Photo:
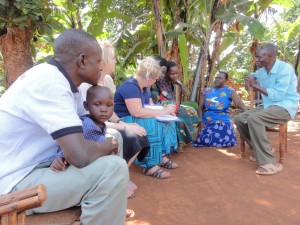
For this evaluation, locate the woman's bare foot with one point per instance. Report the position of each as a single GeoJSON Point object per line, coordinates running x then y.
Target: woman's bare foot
{"type": "Point", "coordinates": [132, 187]}
{"type": "Point", "coordinates": [130, 194]}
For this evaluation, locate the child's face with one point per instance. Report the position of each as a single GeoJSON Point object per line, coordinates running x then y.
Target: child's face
{"type": "Point", "coordinates": [100, 106]}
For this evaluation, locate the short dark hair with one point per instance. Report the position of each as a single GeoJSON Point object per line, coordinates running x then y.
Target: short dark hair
{"type": "Point", "coordinates": [270, 48]}
{"type": "Point", "coordinates": [162, 61]}
{"type": "Point", "coordinates": [170, 64]}
{"type": "Point", "coordinates": [225, 73]}
{"type": "Point", "coordinates": [92, 89]}
{"type": "Point", "coordinates": [71, 42]}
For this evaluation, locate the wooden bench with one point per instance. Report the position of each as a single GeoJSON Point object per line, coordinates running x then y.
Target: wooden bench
{"type": "Point", "coordinates": [14, 205]}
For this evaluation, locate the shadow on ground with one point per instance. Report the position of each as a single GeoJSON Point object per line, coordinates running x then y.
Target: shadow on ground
{"type": "Point", "coordinates": [217, 186]}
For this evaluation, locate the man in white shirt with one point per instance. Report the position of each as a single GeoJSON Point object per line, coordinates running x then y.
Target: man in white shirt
{"type": "Point", "coordinates": [41, 111]}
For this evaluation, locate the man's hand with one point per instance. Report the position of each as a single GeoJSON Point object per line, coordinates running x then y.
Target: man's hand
{"type": "Point", "coordinates": [59, 164]}
{"type": "Point", "coordinates": [251, 80]}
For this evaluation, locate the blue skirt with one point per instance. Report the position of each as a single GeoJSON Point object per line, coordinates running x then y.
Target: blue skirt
{"type": "Point", "coordinates": [162, 138]}
{"type": "Point", "coordinates": [216, 135]}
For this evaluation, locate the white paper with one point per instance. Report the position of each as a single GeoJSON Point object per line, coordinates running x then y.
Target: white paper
{"type": "Point", "coordinates": [153, 106]}
{"type": "Point", "coordinates": [167, 118]}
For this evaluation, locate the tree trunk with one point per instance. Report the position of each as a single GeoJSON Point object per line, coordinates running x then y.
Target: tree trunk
{"type": "Point", "coordinates": [15, 49]}
{"type": "Point", "coordinates": [159, 28]}
{"type": "Point", "coordinates": [175, 52]}
{"type": "Point", "coordinates": [297, 57]}
{"type": "Point", "coordinates": [204, 55]}
{"type": "Point", "coordinates": [218, 29]}
{"type": "Point", "coordinates": [197, 76]}
{"type": "Point", "coordinates": [297, 64]}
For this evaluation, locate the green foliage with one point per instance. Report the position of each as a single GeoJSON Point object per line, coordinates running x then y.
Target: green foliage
{"type": "Point", "coordinates": [130, 26]}
{"type": "Point", "coordinates": [98, 15]}
{"type": "Point", "coordinates": [183, 52]}
{"type": "Point", "coordinates": [137, 48]}
{"type": "Point", "coordinates": [33, 14]}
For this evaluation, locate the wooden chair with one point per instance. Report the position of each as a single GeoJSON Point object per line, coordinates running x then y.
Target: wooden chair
{"type": "Point", "coordinates": [282, 130]}
{"type": "Point", "coordinates": [14, 205]}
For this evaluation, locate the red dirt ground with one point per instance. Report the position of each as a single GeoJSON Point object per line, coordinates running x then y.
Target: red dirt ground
{"type": "Point", "coordinates": [217, 186]}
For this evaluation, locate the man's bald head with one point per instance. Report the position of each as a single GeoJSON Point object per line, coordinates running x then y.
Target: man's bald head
{"type": "Point", "coordinates": [72, 42]}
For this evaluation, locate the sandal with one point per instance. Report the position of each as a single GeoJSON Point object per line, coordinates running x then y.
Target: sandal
{"type": "Point", "coordinates": [158, 173]}
{"type": "Point", "coordinates": [180, 149]}
{"type": "Point", "coordinates": [269, 169]}
{"type": "Point", "coordinates": [170, 164]}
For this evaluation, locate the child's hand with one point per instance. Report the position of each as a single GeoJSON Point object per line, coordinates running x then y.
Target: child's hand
{"type": "Point", "coordinates": [114, 144]}
{"type": "Point", "coordinates": [59, 164]}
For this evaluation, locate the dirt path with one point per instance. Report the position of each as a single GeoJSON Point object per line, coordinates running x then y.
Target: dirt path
{"type": "Point", "coordinates": [218, 187]}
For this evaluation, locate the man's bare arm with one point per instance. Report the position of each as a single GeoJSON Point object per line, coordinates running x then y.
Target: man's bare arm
{"type": "Point", "coordinates": [80, 152]}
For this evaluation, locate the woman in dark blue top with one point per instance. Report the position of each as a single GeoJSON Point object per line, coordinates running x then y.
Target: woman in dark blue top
{"type": "Point", "coordinates": [130, 99]}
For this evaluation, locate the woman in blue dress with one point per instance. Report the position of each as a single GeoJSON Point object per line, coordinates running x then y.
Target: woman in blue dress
{"type": "Point", "coordinates": [216, 123]}
{"type": "Point", "coordinates": [130, 100]}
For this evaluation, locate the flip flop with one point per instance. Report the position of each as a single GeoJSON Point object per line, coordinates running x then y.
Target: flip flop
{"type": "Point", "coordinates": [269, 169]}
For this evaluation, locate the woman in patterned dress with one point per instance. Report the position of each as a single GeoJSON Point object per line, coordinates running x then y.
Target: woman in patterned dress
{"type": "Point", "coordinates": [163, 92]}
{"type": "Point", "coordinates": [216, 124]}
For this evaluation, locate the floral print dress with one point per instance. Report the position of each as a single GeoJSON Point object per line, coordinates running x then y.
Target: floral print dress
{"type": "Point", "coordinates": [219, 130]}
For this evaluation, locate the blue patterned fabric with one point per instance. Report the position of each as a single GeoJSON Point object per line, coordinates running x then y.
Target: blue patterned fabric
{"type": "Point", "coordinates": [162, 138]}
{"type": "Point", "coordinates": [219, 130]}
{"type": "Point", "coordinates": [90, 132]}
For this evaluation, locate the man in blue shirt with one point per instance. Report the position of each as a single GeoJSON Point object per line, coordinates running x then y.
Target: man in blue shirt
{"type": "Point", "coordinates": [277, 83]}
